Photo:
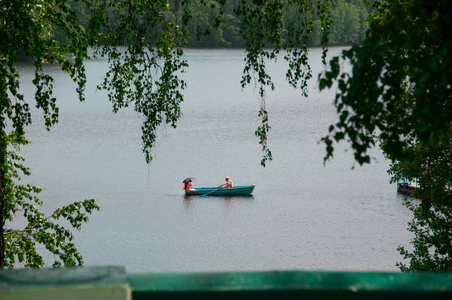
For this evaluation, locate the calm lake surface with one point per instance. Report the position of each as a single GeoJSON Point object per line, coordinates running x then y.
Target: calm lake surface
{"type": "Point", "coordinates": [303, 215]}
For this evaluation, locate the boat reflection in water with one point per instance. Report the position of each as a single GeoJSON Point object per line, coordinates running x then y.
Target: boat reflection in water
{"type": "Point", "coordinates": [188, 198]}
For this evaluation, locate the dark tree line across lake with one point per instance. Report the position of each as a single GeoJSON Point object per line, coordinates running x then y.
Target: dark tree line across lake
{"type": "Point", "coordinates": [348, 22]}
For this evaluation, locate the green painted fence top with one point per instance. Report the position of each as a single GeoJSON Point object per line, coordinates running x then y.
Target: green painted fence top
{"type": "Point", "coordinates": [293, 280]}
{"type": "Point", "coordinates": [291, 285]}
{"type": "Point", "coordinates": [113, 283]}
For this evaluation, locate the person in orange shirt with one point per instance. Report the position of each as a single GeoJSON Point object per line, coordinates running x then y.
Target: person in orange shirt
{"type": "Point", "coordinates": [187, 186]}
{"type": "Point", "coordinates": [187, 183]}
{"type": "Point", "coordinates": [229, 184]}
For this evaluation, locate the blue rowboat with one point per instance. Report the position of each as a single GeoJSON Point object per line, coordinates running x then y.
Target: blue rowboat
{"type": "Point", "coordinates": [214, 191]}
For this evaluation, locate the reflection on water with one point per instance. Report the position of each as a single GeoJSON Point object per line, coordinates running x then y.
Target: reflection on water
{"type": "Point", "coordinates": [188, 199]}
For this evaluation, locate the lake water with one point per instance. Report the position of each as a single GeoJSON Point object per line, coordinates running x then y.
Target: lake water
{"type": "Point", "coordinates": [303, 215]}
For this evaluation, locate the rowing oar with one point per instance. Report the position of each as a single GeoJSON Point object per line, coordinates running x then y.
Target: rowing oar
{"type": "Point", "coordinates": [222, 187]}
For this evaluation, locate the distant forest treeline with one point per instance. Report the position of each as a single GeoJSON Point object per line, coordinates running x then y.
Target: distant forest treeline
{"type": "Point", "coordinates": [348, 22]}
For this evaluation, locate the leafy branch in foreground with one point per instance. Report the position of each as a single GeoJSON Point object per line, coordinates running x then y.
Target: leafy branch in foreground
{"type": "Point", "coordinates": [266, 32]}
{"type": "Point", "coordinates": [430, 166]}
{"type": "Point", "coordinates": [144, 73]}
{"type": "Point", "coordinates": [21, 245]}
{"type": "Point", "coordinates": [27, 29]}
{"type": "Point", "coordinates": [399, 96]}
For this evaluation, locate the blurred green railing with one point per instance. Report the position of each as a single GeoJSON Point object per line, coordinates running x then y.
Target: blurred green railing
{"type": "Point", "coordinates": [113, 283]}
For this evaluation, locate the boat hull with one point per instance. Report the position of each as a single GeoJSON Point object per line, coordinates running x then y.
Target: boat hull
{"type": "Point", "coordinates": [235, 191]}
